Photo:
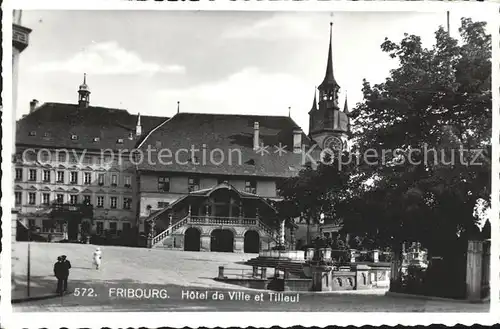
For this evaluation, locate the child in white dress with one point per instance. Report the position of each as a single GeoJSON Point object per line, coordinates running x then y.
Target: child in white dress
{"type": "Point", "coordinates": [97, 258]}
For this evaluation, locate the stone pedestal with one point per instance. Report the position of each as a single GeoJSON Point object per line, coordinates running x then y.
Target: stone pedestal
{"type": "Point", "coordinates": [293, 241]}
{"type": "Point", "coordinates": [239, 243]}
{"type": "Point", "coordinates": [362, 277]}
{"type": "Point", "coordinates": [282, 233]}
{"type": "Point", "coordinates": [205, 243]}
{"type": "Point", "coordinates": [375, 254]}
{"type": "Point", "coordinates": [321, 278]}
{"type": "Point", "coordinates": [327, 254]}
{"type": "Point", "coordinates": [474, 268]}
{"type": "Point", "coordinates": [309, 253]}
{"type": "Point", "coordinates": [352, 255]}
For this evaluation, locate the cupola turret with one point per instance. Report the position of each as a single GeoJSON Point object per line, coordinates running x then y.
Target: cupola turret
{"type": "Point", "coordinates": [84, 93]}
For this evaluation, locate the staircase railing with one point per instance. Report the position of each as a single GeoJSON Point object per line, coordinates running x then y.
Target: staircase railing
{"type": "Point", "coordinates": [194, 219]}
{"type": "Point", "coordinates": [165, 233]}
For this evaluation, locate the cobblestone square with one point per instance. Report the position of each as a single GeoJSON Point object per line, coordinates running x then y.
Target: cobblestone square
{"type": "Point", "coordinates": [178, 272]}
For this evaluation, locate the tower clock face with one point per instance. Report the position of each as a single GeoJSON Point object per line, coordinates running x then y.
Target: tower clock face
{"type": "Point", "coordinates": [333, 143]}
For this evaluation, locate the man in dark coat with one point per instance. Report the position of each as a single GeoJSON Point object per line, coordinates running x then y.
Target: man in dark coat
{"type": "Point", "coordinates": [67, 266]}
{"type": "Point", "coordinates": [59, 271]}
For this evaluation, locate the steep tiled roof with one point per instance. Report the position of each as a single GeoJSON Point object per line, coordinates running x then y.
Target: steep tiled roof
{"type": "Point", "coordinates": [225, 132]}
{"type": "Point", "coordinates": [54, 123]}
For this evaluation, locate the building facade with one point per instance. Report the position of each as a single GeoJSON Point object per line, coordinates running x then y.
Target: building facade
{"type": "Point", "coordinates": [195, 181]}
{"type": "Point", "coordinates": [205, 197]}
{"type": "Point", "coordinates": [20, 41]}
{"type": "Point", "coordinates": [72, 154]}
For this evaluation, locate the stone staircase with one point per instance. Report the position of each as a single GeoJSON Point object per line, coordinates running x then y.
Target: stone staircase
{"type": "Point", "coordinates": [270, 236]}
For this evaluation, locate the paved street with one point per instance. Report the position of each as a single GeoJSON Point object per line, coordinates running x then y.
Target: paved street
{"type": "Point", "coordinates": [180, 281]}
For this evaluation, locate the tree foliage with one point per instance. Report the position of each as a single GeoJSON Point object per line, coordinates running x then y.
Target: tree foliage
{"type": "Point", "coordinates": [427, 129]}
{"type": "Point", "coordinates": [430, 125]}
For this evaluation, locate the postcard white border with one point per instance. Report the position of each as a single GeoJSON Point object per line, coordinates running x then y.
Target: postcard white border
{"type": "Point", "coordinates": [243, 319]}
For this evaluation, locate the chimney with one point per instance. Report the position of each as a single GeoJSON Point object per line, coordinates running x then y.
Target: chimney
{"type": "Point", "coordinates": [138, 127]}
{"type": "Point", "coordinates": [256, 139]}
{"type": "Point", "coordinates": [33, 105]}
{"type": "Point", "coordinates": [297, 140]}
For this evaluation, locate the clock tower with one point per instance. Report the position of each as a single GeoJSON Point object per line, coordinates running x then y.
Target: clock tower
{"type": "Point", "coordinates": [329, 126]}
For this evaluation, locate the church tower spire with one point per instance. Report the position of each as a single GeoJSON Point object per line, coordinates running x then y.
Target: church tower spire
{"type": "Point", "coordinates": [84, 93]}
{"type": "Point", "coordinates": [329, 88]}
{"type": "Point", "coordinates": [314, 109]}
{"type": "Point", "coordinates": [329, 125]}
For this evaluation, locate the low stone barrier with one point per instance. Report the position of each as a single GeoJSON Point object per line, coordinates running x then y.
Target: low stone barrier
{"type": "Point", "coordinates": [289, 254]}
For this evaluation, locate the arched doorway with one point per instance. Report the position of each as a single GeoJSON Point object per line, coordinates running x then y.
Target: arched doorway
{"type": "Point", "coordinates": [221, 240]}
{"type": "Point", "coordinates": [192, 239]}
{"type": "Point", "coordinates": [251, 242]}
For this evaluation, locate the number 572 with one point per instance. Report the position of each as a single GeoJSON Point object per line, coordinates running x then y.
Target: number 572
{"type": "Point", "coordinates": [84, 292]}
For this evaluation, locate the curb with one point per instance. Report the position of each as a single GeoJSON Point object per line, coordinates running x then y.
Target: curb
{"type": "Point", "coordinates": [463, 301]}
{"type": "Point", "coordinates": [35, 298]}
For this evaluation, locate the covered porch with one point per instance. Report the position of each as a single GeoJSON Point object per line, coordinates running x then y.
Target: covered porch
{"type": "Point", "coordinates": [219, 219]}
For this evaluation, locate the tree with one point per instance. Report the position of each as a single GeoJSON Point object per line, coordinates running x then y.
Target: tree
{"type": "Point", "coordinates": [430, 125]}
{"type": "Point", "coordinates": [315, 190]}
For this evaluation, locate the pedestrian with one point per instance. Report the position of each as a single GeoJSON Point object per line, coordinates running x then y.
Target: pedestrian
{"type": "Point", "coordinates": [67, 266]}
{"type": "Point", "coordinates": [97, 258]}
{"type": "Point", "coordinates": [59, 274]}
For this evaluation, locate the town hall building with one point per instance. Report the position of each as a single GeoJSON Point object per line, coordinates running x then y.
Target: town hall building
{"type": "Point", "coordinates": [209, 181]}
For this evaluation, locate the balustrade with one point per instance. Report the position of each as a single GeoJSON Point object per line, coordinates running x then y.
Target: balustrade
{"type": "Point", "coordinates": [217, 220]}
{"type": "Point", "coordinates": [213, 220]}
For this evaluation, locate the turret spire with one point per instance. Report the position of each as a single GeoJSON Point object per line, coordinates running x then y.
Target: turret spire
{"type": "Point", "coordinates": [138, 126]}
{"type": "Point", "coordinates": [84, 93]}
{"type": "Point", "coordinates": [315, 102]}
{"type": "Point", "coordinates": [346, 108]}
{"type": "Point", "coordinates": [329, 80]}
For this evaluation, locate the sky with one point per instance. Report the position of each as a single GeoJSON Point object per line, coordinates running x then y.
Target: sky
{"type": "Point", "coordinates": [211, 62]}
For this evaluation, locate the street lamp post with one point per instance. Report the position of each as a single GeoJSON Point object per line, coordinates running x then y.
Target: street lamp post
{"type": "Point", "coordinates": [28, 274]}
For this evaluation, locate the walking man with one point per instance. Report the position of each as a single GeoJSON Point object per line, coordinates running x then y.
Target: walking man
{"type": "Point", "coordinates": [67, 266]}
{"type": "Point", "coordinates": [59, 274]}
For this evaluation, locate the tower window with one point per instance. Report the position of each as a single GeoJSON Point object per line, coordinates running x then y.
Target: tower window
{"type": "Point", "coordinates": [251, 186]}
{"type": "Point", "coordinates": [193, 184]}
{"type": "Point", "coordinates": [164, 184]}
